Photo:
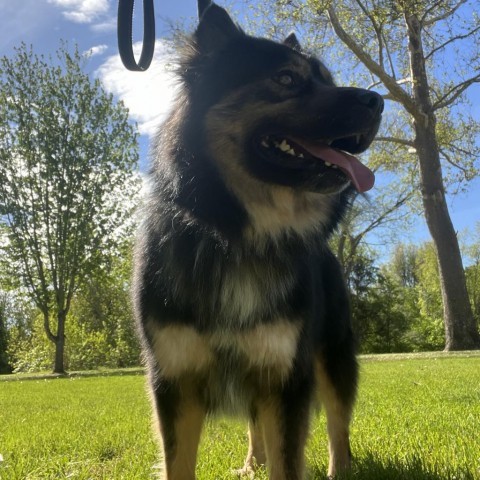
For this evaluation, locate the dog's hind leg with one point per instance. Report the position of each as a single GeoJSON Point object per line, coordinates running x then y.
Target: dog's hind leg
{"type": "Point", "coordinates": [180, 420]}
{"type": "Point", "coordinates": [338, 409]}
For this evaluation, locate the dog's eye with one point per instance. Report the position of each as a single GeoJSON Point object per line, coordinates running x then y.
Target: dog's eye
{"type": "Point", "coordinates": [285, 79]}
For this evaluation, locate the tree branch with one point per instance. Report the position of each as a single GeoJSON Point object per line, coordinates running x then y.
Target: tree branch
{"type": "Point", "coordinates": [445, 15]}
{"type": "Point", "coordinates": [377, 29]}
{"type": "Point", "coordinates": [379, 220]}
{"type": "Point", "coordinates": [433, 7]}
{"type": "Point", "coordinates": [46, 324]}
{"type": "Point", "coordinates": [454, 164]}
{"type": "Point", "coordinates": [400, 141]}
{"type": "Point", "coordinates": [399, 82]}
{"type": "Point", "coordinates": [454, 93]}
{"type": "Point", "coordinates": [451, 40]}
{"type": "Point", "coordinates": [390, 83]}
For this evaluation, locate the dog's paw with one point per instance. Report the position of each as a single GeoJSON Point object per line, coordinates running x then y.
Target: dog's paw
{"type": "Point", "coordinates": [247, 471]}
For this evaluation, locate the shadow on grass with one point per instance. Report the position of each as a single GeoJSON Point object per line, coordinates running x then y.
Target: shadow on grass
{"type": "Point", "coordinates": [374, 468]}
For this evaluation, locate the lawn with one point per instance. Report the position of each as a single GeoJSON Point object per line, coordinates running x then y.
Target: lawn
{"type": "Point", "coordinates": [417, 417]}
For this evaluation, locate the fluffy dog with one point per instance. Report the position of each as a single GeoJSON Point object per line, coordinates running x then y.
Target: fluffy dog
{"type": "Point", "coordinates": [240, 303]}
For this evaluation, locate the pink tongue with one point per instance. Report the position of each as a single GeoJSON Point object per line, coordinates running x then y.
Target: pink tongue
{"type": "Point", "coordinates": [360, 175]}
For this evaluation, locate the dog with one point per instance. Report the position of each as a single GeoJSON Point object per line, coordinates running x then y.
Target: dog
{"type": "Point", "coordinates": [241, 305]}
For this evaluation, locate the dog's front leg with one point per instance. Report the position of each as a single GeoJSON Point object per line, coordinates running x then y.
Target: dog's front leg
{"type": "Point", "coordinates": [284, 420]}
{"type": "Point", "coordinates": [338, 410]}
{"type": "Point", "coordinates": [180, 420]}
{"type": "Point", "coordinates": [256, 456]}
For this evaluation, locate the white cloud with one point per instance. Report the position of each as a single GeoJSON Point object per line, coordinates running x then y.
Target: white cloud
{"type": "Point", "coordinates": [148, 95]}
{"type": "Point", "coordinates": [106, 26]}
{"type": "Point", "coordinates": [82, 11]}
{"type": "Point", "coordinates": [96, 50]}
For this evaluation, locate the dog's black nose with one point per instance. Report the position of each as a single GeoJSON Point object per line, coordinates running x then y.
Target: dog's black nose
{"type": "Point", "coordinates": [372, 100]}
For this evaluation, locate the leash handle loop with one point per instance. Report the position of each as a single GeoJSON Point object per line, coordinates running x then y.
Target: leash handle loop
{"type": "Point", "coordinates": [125, 38]}
{"type": "Point", "coordinates": [125, 32]}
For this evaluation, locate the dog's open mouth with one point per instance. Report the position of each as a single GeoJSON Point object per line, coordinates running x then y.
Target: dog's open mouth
{"type": "Point", "coordinates": [294, 152]}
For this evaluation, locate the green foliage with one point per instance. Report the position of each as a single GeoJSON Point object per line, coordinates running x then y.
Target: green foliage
{"type": "Point", "coordinates": [473, 285]}
{"type": "Point", "coordinates": [65, 146]}
{"type": "Point", "coordinates": [397, 308]}
{"type": "Point", "coordinates": [382, 317]}
{"type": "Point", "coordinates": [102, 328]}
{"type": "Point", "coordinates": [28, 348]}
{"type": "Point", "coordinates": [430, 325]}
{"type": "Point", "coordinates": [5, 366]}
{"type": "Point", "coordinates": [403, 265]}
{"type": "Point", "coordinates": [415, 272]}
{"type": "Point", "coordinates": [68, 156]}
{"type": "Point", "coordinates": [472, 272]}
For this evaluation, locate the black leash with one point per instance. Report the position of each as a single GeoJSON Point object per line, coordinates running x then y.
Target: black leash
{"type": "Point", "coordinates": [125, 39]}
{"type": "Point", "coordinates": [124, 32]}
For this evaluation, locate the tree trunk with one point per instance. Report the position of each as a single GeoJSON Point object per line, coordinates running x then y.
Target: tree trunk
{"type": "Point", "coordinates": [460, 329]}
{"type": "Point", "coordinates": [59, 366]}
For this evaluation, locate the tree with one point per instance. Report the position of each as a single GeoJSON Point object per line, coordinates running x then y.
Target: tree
{"type": "Point", "coordinates": [375, 215]}
{"type": "Point", "coordinates": [428, 327]}
{"type": "Point", "coordinates": [101, 310]}
{"type": "Point", "coordinates": [67, 160]}
{"type": "Point", "coordinates": [413, 272]}
{"type": "Point", "coordinates": [473, 273]}
{"type": "Point", "coordinates": [5, 366]}
{"type": "Point", "coordinates": [405, 46]}
{"type": "Point", "coordinates": [381, 314]}
{"type": "Point", "coordinates": [404, 265]}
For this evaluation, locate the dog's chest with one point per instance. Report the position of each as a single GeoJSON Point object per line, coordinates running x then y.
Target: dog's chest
{"type": "Point", "coordinates": [249, 292]}
{"type": "Point", "coordinates": [230, 288]}
{"type": "Point", "coordinates": [227, 363]}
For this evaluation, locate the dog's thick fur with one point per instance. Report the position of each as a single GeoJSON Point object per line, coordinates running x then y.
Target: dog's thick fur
{"type": "Point", "coordinates": [240, 303]}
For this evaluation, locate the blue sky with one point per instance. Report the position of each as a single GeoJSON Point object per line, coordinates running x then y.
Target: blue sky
{"type": "Point", "coordinates": [92, 25]}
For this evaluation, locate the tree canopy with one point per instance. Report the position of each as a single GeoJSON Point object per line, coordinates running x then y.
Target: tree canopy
{"type": "Point", "coordinates": [423, 57]}
{"type": "Point", "coordinates": [68, 157]}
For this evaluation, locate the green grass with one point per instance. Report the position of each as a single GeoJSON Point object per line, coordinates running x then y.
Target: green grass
{"type": "Point", "coordinates": [417, 417]}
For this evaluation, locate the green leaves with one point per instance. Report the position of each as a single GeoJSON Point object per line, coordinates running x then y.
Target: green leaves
{"type": "Point", "coordinates": [68, 157]}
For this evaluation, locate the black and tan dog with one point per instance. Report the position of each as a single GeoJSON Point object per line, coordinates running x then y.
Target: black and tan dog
{"type": "Point", "coordinates": [241, 305]}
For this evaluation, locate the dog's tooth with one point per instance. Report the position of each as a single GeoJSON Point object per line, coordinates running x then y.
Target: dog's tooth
{"type": "Point", "coordinates": [264, 143]}
{"type": "Point", "coordinates": [292, 152]}
{"type": "Point", "coordinates": [358, 138]}
{"type": "Point", "coordinates": [334, 166]}
{"type": "Point", "coordinates": [329, 142]}
{"type": "Point", "coordinates": [300, 155]}
{"type": "Point", "coordinates": [328, 164]}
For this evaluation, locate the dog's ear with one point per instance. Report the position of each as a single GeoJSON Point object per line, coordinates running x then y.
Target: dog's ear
{"type": "Point", "coordinates": [215, 29]}
{"type": "Point", "coordinates": [292, 42]}
{"type": "Point", "coordinates": [202, 6]}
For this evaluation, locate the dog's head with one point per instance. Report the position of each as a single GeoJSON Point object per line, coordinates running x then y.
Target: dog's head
{"type": "Point", "coordinates": [271, 118]}
{"type": "Point", "coordinates": [289, 121]}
